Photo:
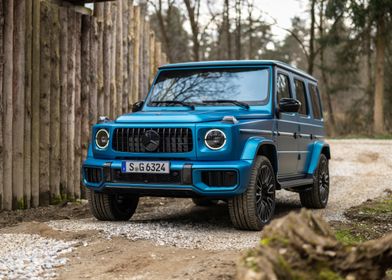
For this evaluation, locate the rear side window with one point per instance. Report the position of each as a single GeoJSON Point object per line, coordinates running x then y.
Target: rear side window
{"type": "Point", "coordinates": [315, 98]}
{"type": "Point", "coordinates": [283, 87]}
{"type": "Point", "coordinates": [301, 96]}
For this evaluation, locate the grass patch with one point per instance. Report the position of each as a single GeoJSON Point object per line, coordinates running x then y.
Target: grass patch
{"type": "Point", "coordinates": [346, 237]}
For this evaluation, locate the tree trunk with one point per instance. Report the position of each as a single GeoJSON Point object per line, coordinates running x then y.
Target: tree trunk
{"type": "Point", "coordinates": [311, 40]}
{"type": "Point", "coordinates": [1, 100]}
{"type": "Point", "coordinates": [27, 120]}
{"type": "Point", "coordinates": [99, 14]}
{"type": "Point", "coordinates": [119, 58]}
{"type": "Point", "coordinates": [238, 7]}
{"type": "Point", "coordinates": [379, 74]}
{"type": "Point", "coordinates": [107, 35]}
{"type": "Point", "coordinates": [227, 28]}
{"type": "Point", "coordinates": [45, 74]}
{"type": "Point", "coordinates": [113, 95]}
{"type": "Point", "coordinates": [7, 93]}
{"type": "Point", "coordinates": [63, 102]}
{"type": "Point", "coordinates": [78, 109]}
{"type": "Point", "coordinates": [71, 104]}
{"type": "Point", "coordinates": [141, 51]}
{"type": "Point", "coordinates": [193, 19]}
{"type": "Point", "coordinates": [93, 94]}
{"type": "Point", "coordinates": [146, 59]}
{"type": "Point", "coordinates": [35, 104]}
{"type": "Point", "coordinates": [136, 51]}
{"type": "Point", "coordinates": [152, 57]}
{"type": "Point", "coordinates": [18, 104]}
{"type": "Point", "coordinates": [55, 106]}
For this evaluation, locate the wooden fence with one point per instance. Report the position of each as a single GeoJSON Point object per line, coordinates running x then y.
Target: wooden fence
{"type": "Point", "coordinates": [61, 66]}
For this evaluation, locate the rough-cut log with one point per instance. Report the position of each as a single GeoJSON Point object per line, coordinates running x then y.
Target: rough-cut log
{"type": "Point", "coordinates": [45, 74]}
{"type": "Point", "coordinates": [124, 72]}
{"type": "Point", "coordinates": [301, 246]}
{"type": "Point", "coordinates": [1, 99]}
{"type": "Point", "coordinates": [18, 104]}
{"type": "Point", "coordinates": [113, 92]}
{"type": "Point", "coordinates": [146, 59]}
{"type": "Point", "coordinates": [55, 94]}
{"type": "Point", "coordinates": [107, 35]}
{"type": "Point", "coordinates": [141, 57]}
{"type": "Point", "coordinates": [85, 86]}
{"type": "Point", "coordinates": [71, 103]}
{"type": "Point", "coordinates": [35, 107]}
{"type": "Point", "coordinates": [136, 55]}
{"type": "Point", "coordinates": [99, 14]}
{"type": "Point", "coordinates": [130, 59]}
{"type": "Point", "coordinates": [63, 101]}
{"type": "Point", "coordinates": [119, 57]}
{"type": "Point", "coordinates": [78, 109]}
{"type": "Point", "coordinates": [93, 78]}
{"type": "Point", "coordinates": [152, 58]}
{"type": "Point", "coordinates": [27, 120]}
{"type": "Point", "coordinates": [7, 93]}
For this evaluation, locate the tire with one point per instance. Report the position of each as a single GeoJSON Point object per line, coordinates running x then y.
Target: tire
{"type": "Point", "coordinates": [253, 209]}
{"type": "Point", "coordinates": [112, 207]}
{"type": "Point", "coordinates": [202, 201]}
{"type": "Point", "coordinates": [317, 196]}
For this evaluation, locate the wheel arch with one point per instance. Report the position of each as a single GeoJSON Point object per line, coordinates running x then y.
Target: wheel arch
{"type": "Point", "coordinates": [319, 147]}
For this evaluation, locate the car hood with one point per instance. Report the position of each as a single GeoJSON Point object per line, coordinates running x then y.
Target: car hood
{"type": "Point", "coordinates": [195, 116]}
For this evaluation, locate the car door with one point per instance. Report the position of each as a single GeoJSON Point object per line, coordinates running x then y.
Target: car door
{"type": "Point", "coordinates": [287, 129]}
{"type": "Point", "coordinates": [305, 124]}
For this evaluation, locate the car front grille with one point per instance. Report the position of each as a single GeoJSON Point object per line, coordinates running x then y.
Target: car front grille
{"type": "Point", "coordinates": [171, 140]}
{"type": "Point", "coordinates": [174, 177]}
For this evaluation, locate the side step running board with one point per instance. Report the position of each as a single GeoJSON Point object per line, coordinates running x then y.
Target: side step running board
{"type": "Point", "coordinates": [294, 184]}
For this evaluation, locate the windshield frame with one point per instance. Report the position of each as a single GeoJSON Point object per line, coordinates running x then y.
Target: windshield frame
{"type": "Point", "coordinates": [149, 107]}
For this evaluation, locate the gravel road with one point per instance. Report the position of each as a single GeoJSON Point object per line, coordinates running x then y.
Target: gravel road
{"type": "Point", "coordinates": [360, 170]}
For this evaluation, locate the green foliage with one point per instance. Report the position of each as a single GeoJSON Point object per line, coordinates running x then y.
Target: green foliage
{"type": "Point", "coordinates": [347, 238]}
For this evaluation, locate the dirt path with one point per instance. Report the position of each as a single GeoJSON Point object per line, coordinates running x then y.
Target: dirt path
{"type": "Point", "coordinates": [173, 239]}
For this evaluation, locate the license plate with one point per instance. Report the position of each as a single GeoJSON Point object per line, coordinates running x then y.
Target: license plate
{"type": "Point", "coordinates": [160, 167]}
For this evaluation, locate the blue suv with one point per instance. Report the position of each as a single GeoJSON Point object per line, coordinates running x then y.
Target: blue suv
{"type": "Point", "coordinates": [228, 130]}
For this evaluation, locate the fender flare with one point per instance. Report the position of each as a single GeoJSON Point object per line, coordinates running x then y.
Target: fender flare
{"type": "Point", "coordinates": [252, 145]}
{"type": "Point", "coordinates": [319, 147]}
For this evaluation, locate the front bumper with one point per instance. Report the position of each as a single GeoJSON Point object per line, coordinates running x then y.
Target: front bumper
{"type": "Point", "coordinates": [189, 184]}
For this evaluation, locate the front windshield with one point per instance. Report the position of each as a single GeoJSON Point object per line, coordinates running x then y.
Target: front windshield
{"type": "Point", "coordinates": [195, 86]}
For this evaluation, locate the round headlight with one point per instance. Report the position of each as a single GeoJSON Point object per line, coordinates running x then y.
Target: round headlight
{"type": "Point", "coordinates": [102, 138]}
{"type": "Point", "coordinates": [215, 139]}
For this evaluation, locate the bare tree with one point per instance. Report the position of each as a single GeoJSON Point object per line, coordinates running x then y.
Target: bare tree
{"type": "Point", "coordinates": [193, 9]}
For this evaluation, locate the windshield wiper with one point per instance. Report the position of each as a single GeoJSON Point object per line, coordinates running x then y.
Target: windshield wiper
{"type": "Point", "coordinates": [235, 102]}
{"type": "Point", "coordinates": [176, 102]}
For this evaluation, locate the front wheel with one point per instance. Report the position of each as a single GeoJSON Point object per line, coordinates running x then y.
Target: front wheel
{"type": "Point", "coordinates": [317, 196]}
{"type": "Point", "coordinates": [112, 207]}
{"type": "Point", "coordinates": [255, 207]}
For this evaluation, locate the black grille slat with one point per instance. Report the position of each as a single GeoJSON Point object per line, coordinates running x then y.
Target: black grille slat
{"type": "Point", "coordinates": [171, 140]}
{"type": "Point", "coordinates": [173, 177]}
{"type": "Point", "coordinates": [93, 175]}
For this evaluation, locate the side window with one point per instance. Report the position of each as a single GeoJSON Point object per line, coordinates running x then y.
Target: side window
{"type": "Point", "coordinates": [301, 96]}
{"type": "Point", "coordinates": [315, 98]}
{"type": "Point", "coordinates": [283, 87]}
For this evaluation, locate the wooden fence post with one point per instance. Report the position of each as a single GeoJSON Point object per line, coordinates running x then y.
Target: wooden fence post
{"type": "Point", "coordinates": [27, 121]}
{"type": "Point", "coordinates": [93, 75]}
{"type": "Point", "coordinates": [78, 110]}
{"type": "Point", "coordinates": [35, 104]}
{"type": "Point", "coordinates": [142, 23]}
{"type": "Point", "coordinates": [124, 73]}
{"type": "Point", "coordinates": [44, 158]}
{"type": "Point", "coordinates": [85, 89]}
{"type": "Point", "coordinates": [152, 58]}
{"type": "Point", "coordinates": [119, 57]}
{"type": "Point", "coordinates": [113, 95]}
{"type": "Point", "coordinates": [136, 56]}
{"type": "Point", "coordinates": [64, 102]}
{"type": "Point", "coordinates": [71, 103]}
{"type": "Point", "coordinates": [7, 88]}
{"type": "Point", "coordinates": [18, 104]}
{"type": "Point", "coordinates": [54, 182]}
{"type": "Point", "coordinates": [99, 14]}
{"type": "Point", "coordinates": [107, 35]}
{"type": "Point", "coordinates": [131, 48]}
{"type": "Point", "coordinates": [1, 100]}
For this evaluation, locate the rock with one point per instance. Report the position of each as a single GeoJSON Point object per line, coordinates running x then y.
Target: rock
{"type": "Point", "coordinates": [303, 246]}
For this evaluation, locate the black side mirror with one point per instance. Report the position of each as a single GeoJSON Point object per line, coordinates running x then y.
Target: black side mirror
{"type": "Point", "coordinates": [289, 105]}
{"type": "Point", "coordinates": [137, 106]}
